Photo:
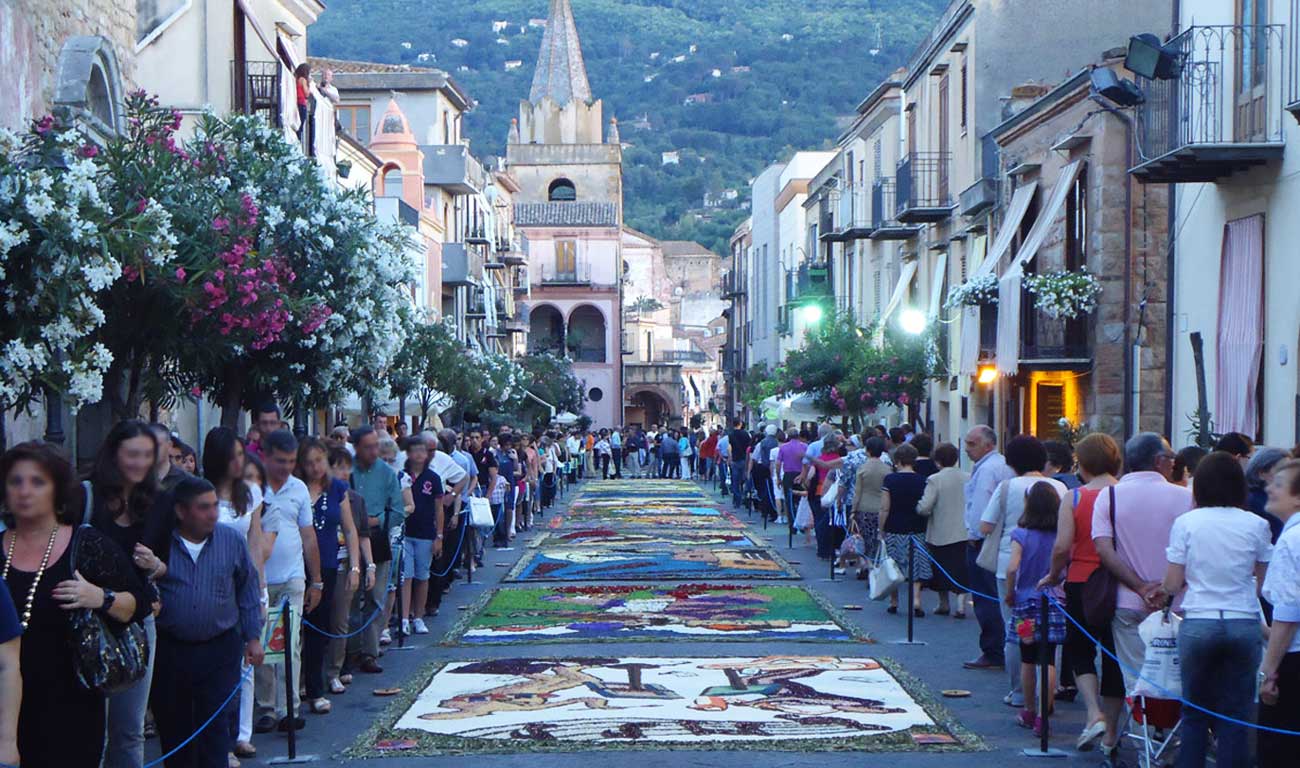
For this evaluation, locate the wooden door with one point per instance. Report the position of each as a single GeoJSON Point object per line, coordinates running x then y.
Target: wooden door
{"type": "Point", "coordinates": [1250, 113]}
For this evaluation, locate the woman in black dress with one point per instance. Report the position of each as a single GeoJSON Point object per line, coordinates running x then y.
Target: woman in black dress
{"type": "Point", "coordinates": [61, 722]}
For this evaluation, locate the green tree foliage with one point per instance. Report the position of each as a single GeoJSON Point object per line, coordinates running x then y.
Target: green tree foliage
{"type": "Point", "coordinates": [772, 92]}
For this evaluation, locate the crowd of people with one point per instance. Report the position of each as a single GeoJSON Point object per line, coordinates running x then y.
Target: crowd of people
{"type": "Point", "coordinates": [188, 559]}
{"type": "Point", "coordinates": [1109, 535]}
{"type": "Point", "coordinates": [189, 556]}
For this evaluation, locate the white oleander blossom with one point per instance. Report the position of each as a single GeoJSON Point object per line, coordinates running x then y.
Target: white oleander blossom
{"type": "Point", "coordinates": [1066, 294]}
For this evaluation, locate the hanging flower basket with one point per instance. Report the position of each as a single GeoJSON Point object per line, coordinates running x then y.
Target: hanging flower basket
{"type": "Point", "coordinates": [978, 291]}
{"type": "Point", "coordinates": [1064, 295]}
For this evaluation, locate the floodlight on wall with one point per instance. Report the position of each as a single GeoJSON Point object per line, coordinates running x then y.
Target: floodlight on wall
{"type": "Point", "coordinates": [1148, 57]}
{"type": "Point", "coordinates": [987, 374]}
{"type": "Point", "coordinates": [1121, 92]}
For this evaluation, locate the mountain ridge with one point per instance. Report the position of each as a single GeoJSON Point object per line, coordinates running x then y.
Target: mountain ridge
{"type": "Point", "coordinates": [730, 86]}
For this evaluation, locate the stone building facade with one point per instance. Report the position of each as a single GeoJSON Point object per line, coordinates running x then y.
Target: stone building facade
{"type": "Point", "coordinates": [34, 34]}
{"type": "Point", "coordinates": [1105, 370]}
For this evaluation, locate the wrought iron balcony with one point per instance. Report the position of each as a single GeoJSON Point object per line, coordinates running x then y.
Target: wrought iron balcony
{"type": "Point", "coordinates": [884, 222]}
{"type": "Point", "coordinates": [258, 91]}
{"type": "Point", "coordinates": [923, 193]}
{"type": "Point", "coordinates": [476, 234]}
{"type": "Point", "coordinates": [1222, 110]}
{"type": "Point", "coordinates": [683, 356]}
{"type": "Point", "coordinates": [1049, 343]}
{"type": "Point", "coordinates": [733, 287]}
{"type": "Point", "coordinates": [852, 214]}
{"type": "Point", "coordinates": [574, 274]}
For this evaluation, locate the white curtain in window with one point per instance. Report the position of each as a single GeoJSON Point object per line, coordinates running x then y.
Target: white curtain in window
{"type": "Point", "coordinates": [1241, 326]}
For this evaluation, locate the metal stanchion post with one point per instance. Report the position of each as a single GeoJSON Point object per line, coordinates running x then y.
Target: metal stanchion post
{"type": "Point", "coordinates": [400, 645]}
{"type": "Point", "coordinates": [290, 688]}
{"type": "Point", "coordinates": [1043, 693]}
{"type": "Point", "coordinates": [911, 594]}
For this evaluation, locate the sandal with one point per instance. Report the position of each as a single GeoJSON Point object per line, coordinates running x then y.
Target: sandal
{"type": "Point", "coordinates": [319, 706]}
{"type": "Point", "coordinates": [346, 678]}
{"type": "Point", "coordinates": [337, 687]}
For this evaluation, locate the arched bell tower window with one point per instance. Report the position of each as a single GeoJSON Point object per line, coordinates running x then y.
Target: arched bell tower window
{"type": "Point", "coordinates": [562, 191]}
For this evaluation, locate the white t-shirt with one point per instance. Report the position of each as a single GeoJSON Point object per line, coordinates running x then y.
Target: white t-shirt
{"type": "Point", "coordinates": [292, 505]}
{"type": "Point", "coordinates": [1015, 489]}
{"type": "Point", "coordinates": [1219, 547]}
{"type": "Point", "coordinates": [226, 514]}
{"type": "Point", "coordinates": [446, 468]}
{"type": "Point", "coordinates": [194, 549]}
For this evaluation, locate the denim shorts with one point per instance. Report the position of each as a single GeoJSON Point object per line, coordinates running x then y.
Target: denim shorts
{"type": "Point", "coordinates": [417, 558]}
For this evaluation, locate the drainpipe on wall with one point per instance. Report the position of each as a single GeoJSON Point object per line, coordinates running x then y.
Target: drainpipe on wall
{"type": "Point", "coordinates": [1171, 223]}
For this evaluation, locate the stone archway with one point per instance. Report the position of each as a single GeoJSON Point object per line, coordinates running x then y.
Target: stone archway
{"type": "Point", "coordinates": [649, 406]}
{"type": "Point", "coordinates": [585, 337]}
{"type": "Point", "coordinates": [545, 329]}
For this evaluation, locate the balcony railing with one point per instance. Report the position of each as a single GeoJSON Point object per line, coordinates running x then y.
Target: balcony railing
{"type": "Point", "coordinates": [852, 214]}
{"type": "Point", "coordinates": [733, 287]}
{"type": "Point", "coordinates": [683, 356]}
{"type": "Point", "coordinates": [259, 93]}
{"type": "Point", "coordinates": [884, 222]}
{"type": "Point", "coordinates": [452, 167]}
{"type": "Point", "coordinates": [576, 274]}
{"type": "Point", "coordinates": [476, 234]}
{"type": "Point", "coordinates": [811, 280]}
{"type": "Point", "coordinates": [1052, 343]}
{"type": "Point", "coordinates": [923, 191]}
{"type": "Point", "coordinates": [1222, 110]}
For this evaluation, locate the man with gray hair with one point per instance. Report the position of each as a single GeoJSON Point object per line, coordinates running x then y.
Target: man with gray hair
{"type": "Point", "coordinates": [1130, 526]}
{"type": "Point", "coordinates": [989, 471]}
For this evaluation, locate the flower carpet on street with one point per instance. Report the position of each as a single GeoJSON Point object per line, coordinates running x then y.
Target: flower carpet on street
{"type": "Point", "coordinates": [650, 563]}
{"type": "Point", "coordinates": [623, 517]}
{"type": "Point", "coordinates": [609, 613]}
{"type": "Point", "coordinates": [767, 702]}
{"type": "Point", "coordinates": [604, 536]}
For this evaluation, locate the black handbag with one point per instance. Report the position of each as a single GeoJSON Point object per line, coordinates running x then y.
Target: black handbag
{"type": "Point", "coordinates": [106, 659]}
{"type": "Point", "coordinates": [1099, 591]}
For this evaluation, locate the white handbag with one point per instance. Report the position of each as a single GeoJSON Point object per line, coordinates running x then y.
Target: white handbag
{"type": "Point", "coordinates": [803, 520]}
{"type": "Point", "coordinates": [480, 514]}
{"type": "Point", "coordinates": [831, 493]}
{"type": "Point", "coordinates": [885, 577]}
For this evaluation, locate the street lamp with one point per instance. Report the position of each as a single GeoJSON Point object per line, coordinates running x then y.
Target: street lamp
{"type": "Point", "coordinates": [812, 313]}
{"type": "Point", "coordinates": [912, 321]}
{"type": "Point", "coordinates": [987, 374]}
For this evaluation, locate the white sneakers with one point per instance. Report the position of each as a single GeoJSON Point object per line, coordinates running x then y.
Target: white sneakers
{"type": "Point", "coordinates": [385, 638]}
{"type": "Point", "coordinates": [419, 627]}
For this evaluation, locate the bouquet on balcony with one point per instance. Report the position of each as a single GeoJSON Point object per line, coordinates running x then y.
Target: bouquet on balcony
{"type": "Point", "coordinates": [1064, 295]}
{"type": "Point", "coordinates": [975, 292]}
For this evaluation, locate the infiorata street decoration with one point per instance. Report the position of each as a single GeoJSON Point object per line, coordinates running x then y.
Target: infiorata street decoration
{"type": "Point", "coordinates": [614, 613]}
{"type": "Point", "coordinates": [769, 702]}
{"type": "Point", "coordinates": [1064, 295]}
{"type": "Point", "coordinates": [975, 292]}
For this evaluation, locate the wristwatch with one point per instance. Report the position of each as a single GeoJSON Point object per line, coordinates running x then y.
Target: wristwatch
{"type": "Point", "coordinates": [109, 597]}
{"type": "Point", "coordinates": [438, 538]}
{"type": "Point", "coordinates": [318, 586]}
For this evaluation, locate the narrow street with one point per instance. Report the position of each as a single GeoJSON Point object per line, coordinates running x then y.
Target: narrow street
{"type": "Point", "coordinates": [643, 615]}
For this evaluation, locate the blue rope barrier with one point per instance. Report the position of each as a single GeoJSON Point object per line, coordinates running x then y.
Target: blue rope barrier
{"type": "Point", "coordinates": [354, 633]}
{"type": "Point", "coordinates": [1130, 670]}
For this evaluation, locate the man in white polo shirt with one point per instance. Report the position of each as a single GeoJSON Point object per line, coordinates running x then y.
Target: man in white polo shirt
{"type": "Point", "coordinates": [287, 497]}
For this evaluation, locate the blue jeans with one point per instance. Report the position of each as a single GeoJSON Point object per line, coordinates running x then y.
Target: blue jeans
{"type": "Point", "coordinates": [738, 483]}
{"type": "Point", "coordinates": [1219, 658]}
{"type": "Point", "coordinates": [988, 613]}
{"type": "Point", "coordinates": [125, 746]}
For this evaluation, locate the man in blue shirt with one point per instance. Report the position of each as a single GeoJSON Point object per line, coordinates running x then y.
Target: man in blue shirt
{"type": "Point", "coordinates": [990, 469]}
{"type": "Point", "coordinates": [211, 619]}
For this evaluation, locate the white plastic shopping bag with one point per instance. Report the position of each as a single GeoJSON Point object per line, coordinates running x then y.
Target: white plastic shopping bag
{"type": "Point", "coordinates": [1161, 676]}
{"type": "Point", "coordinates": [804, 520]}
{"type": "Point", "coordinates": [885, 576]}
